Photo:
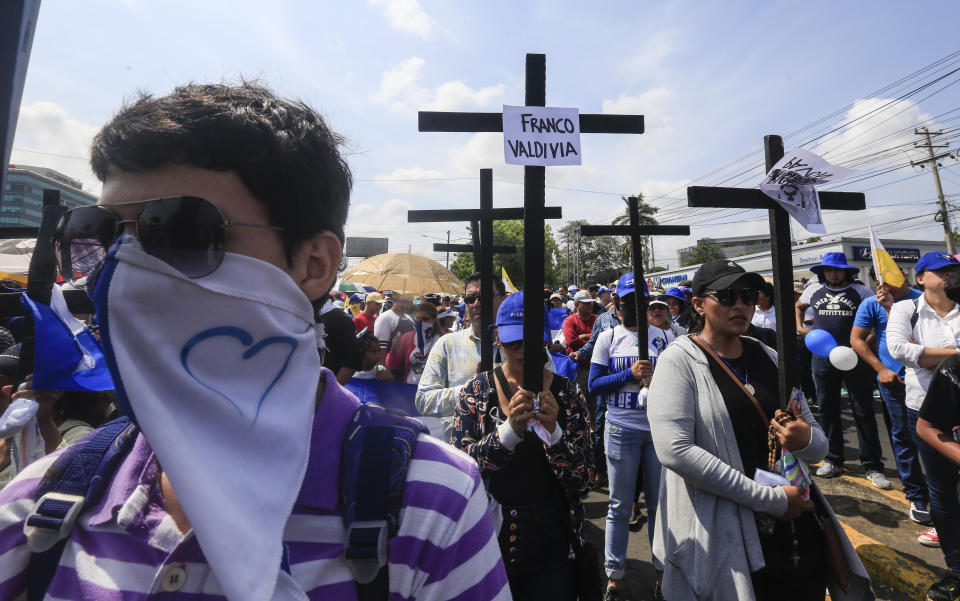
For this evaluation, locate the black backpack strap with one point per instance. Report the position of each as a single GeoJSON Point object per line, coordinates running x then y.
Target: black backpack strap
{"type": "Point", "coordinates": [373, 472]}
{"type": "Point", "coordinates": [77, 479]}
{"type": "Point", "coordinates": [916, 313]}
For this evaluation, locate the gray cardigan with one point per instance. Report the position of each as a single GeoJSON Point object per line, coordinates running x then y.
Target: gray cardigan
{"type": "Point", "coordinates": [705, 531]}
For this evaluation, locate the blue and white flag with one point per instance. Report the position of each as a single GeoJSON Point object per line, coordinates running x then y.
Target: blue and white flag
{"type": "Point", "coordinates": [557, 316]}
{"type": "Point", "coordinates": [68, 356]}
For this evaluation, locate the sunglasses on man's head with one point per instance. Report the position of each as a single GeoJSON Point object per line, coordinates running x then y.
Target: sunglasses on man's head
{"type": "Point", "coordinates": [186, 232]}
{"type": "Point", "coordinates": [728, 297]}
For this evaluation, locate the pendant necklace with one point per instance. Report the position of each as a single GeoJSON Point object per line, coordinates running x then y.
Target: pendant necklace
{"type": "Point", "coordinates": [745, 378]}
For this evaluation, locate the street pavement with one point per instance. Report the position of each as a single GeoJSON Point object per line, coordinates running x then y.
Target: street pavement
{"type": "Point", "coordinates": [877, 522]}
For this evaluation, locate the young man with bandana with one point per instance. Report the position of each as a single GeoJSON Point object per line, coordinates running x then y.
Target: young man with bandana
{"type": "Point", "coordinates": [232, 488]}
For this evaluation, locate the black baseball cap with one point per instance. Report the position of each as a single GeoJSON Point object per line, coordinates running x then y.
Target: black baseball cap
{"type": "Point", "coordinates": [719, 274]}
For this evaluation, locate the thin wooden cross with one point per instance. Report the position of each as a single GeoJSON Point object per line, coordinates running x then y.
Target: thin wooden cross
{"type": "Point", "coordinates": [483, 248]}
{"type": "Point", "coordinates": [533, 200]}
{"type": "Point", "coordinates": [781, 253]}
{"type": "Point", "coordinates": [635, 232]}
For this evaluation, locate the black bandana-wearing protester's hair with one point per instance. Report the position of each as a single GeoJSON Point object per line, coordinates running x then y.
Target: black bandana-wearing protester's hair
{"type": "Point", "coordinates": [952, 286]}
{"type": "Point", "coordinates": [282, 151]}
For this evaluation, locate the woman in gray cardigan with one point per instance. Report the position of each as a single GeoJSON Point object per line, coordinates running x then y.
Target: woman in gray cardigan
{"type": "Point", "coordinates": [706, 530]}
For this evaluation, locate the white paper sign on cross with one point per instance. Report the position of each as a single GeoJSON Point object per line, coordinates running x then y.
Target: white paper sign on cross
{"type": "Point", "coordinates": [792, 183]}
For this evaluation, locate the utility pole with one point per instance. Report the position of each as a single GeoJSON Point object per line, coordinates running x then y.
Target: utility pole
{"type": "Point", "coordinates": [942, 215]}
{"type": "Point", "coordinates": [448, 252]}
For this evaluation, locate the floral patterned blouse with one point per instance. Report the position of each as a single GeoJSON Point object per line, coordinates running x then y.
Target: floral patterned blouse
{"type": "Point", "coordinates": [478, 415]}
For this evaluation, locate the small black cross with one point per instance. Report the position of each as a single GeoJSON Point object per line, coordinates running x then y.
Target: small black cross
{"type": "Point", "coordinates": [481, 220]}
{"type": "Point", "coordinates": [533, 200]}
{"type": "Point", "coordinates": [781, 253]}
{"type": "Point", "coordinates": [635, 231]}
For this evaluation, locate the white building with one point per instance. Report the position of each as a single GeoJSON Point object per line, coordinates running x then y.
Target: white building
{"type": "Point", "coordinates": [904, 252]}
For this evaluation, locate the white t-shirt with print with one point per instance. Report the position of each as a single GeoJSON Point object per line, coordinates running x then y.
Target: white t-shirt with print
{"type": "Point", "coordinates": [616, 348]}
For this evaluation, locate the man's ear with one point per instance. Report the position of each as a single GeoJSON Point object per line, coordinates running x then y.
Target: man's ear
{"type": "Point", "coordinates": [317, 263]}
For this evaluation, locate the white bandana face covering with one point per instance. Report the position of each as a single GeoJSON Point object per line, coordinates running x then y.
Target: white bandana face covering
{"type": "Point", "coordinates": [221, 374]}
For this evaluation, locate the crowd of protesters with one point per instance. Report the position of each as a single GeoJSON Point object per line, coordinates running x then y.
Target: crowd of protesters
{"type": "Point", "coordinates": [694, 434]}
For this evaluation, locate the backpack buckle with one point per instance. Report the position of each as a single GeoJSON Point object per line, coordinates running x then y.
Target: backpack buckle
{"type": "Point", "coordinates": [51, 519]}
{"type": "Point", "coordinates": [366, 550]}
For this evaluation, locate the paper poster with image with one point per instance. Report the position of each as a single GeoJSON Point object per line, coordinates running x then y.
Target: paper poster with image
{"type": "Point", "coordinates": [793, 184]}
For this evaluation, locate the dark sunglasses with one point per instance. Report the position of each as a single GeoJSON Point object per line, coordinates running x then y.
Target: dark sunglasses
{"type": "Point", "coordinates": [186, 232]}
{"type": "Point", "coordinates": [471, 298]}
{"type": "Point", "coordinates": [512, 346]}
{"type": "Point", "coordinates": [728, 297]}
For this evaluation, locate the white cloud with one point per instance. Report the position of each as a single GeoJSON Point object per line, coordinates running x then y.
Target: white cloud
{"type": "Point", "coordinates": [413, 181]}
{"type": "Point", "coordinates": [653, 104]}
{"type": "Point", "coordinates": [48, 136]}
{"type": "Point", "coordinates": [407, 16]}
{"type": "Point", "coordinates": [388, 218]}
{"type": "Point", "coordinates": [875, 124]}
{"type": "Point", "coordinates": [400, 90]}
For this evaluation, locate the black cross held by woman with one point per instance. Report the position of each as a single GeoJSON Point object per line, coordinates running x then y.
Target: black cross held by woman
{"type": "Point", "coordinates": [781, 252]}
{"type": "Point", "coordinates": [533, 200]}
{"type": "Point", "coordinates": [635, 232]}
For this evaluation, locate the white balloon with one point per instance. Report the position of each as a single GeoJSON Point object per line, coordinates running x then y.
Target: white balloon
{"type": "Point", "coordinates": [843, 358]}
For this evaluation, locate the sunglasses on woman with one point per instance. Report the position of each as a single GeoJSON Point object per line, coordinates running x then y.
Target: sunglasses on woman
{"type": "Point", "coordinates": [728, 297]}
{"type": "Point", "coordinates": [188, 233]}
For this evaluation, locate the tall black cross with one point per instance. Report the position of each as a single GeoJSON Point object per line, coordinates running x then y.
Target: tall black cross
{"type": "Point", "coordinates": [781, 252]}
{"type": "Point", "coordinates": [533, 200]}
{"type": "Point", "coordinates": [481, 219]}
{"type": "Point", "coordinates": [636, 231]}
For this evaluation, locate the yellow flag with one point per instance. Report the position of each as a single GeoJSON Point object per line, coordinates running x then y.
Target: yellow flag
{"type": "Point", "coordinates": [883, 264]}
{"type": "Point", "coordinates": [506, 281]}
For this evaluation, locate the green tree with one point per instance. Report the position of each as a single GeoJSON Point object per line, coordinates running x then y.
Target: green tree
{"type": "Point", "coordinates": [646, 216]}
{"type": "Point", "coordinates": [813, 239]}
{"type": "Point", "coordinates": [590, 258]}
{"type": "Point", "coordinates": [704, 251]}
{"type": "Point", "coordinates": [510, 233]}
{"type": "Point", "coordinates": [656, 268]}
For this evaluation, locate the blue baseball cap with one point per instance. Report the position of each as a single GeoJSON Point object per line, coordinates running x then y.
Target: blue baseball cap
{"type": "Point", "coordinates": [625, 286]}
{"type": "Point", "coordinates": [677, 293]}
{"type": "Point", "coordinates": [356, 298]}
{"type": "Point", "coordinates": [603, 290]}
{"type": "Point", "coordinates": [510, 319]}
{"type": "Point", "coordinates": [935, 260]}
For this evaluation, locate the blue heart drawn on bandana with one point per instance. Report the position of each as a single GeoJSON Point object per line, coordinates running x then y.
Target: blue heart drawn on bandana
{"type": "Point", "coordinates": [246, 339]}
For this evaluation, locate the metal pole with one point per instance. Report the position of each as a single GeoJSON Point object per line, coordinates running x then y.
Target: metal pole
{"type": "Point", "coordinates": [533, 268]}
{"type": "Point", "coordinates": [448, 252]}
{"type": "Point", "coordinates": [486, 272]}
{"type": "Point", "coordinates": [788, 372]}
{"type": "Point", "coordinates": [639, 283]}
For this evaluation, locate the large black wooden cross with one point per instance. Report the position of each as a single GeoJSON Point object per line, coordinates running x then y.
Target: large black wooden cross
{"type": "Point", "coordinates": [781, 252]}
{"type": "Point", "coordinates": [636, 231]}
{"type": "Point", "coordinates": [481, 220]}
{"type": "Point", "coordinates": [533, 200]}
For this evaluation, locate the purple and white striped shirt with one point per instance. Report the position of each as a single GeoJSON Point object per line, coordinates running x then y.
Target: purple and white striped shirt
{"type": "Point", "coordinates": [128, 547]}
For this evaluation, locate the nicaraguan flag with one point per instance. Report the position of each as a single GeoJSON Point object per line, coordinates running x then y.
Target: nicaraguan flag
{"type": "Point", "coordinates": [556, 316]}
{"type": "Point", "coordinates": [68, 356]}
{"type": "Point", "coordinates": [396, 396]}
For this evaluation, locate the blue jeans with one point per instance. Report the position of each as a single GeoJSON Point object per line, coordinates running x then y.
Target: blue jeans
{"type": "Point", "coordinates": [627, 450]}
{"type": "Point", "coordinates": [904, 446]}
{"type": "Point", "coordinates": [859, 383]}
{"type": "Point", "coordinates": [943, 477]}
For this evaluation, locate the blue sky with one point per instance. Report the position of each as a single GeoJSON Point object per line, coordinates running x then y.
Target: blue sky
{"type": "Point", "coordinates": [710, 78]}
